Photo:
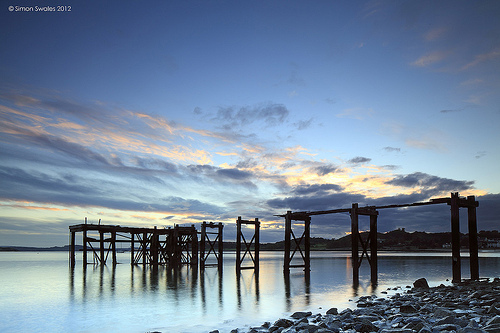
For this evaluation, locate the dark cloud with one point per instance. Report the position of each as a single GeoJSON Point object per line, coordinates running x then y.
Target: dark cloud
{"type": "Point", "coordinates": [392, 149]}
{"type": "Point", "coordinates": [390, 167]}
{"type": "Point", "coordinates": [359, 160]}
{"type": "Point", "coordinates": [323, 170]}
{"type": "Point", "coordinates": [432, 184]}
{"type": "Point", "coordinates": [235, 174]}
{"type": "Point", "coordinates": [303, 124]}
{"type": "Point", "coordinates": [271, 114]}
{"type": "Point", "coordinates": [480, 154]}
{"type": "Point", "coordinates": [223, 175]}
{"type": "Point", "coordinates": [319, 202]}
{"type": "Point", "coordinates": [316, 189]}
{"type": "Point", "coordinates": [450, 111]}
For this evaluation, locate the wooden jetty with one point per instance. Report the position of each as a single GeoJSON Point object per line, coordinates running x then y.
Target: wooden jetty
{"type": "Point", "coordinates": [369, 245]}
{"type": "Point", "coordinates": [152, 246]}
{"type": "Point", "coordinates": [179, 245]}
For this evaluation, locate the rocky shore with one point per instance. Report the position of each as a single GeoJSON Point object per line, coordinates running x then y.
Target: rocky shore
{"type": "Point", "coordinates": [466, 307]}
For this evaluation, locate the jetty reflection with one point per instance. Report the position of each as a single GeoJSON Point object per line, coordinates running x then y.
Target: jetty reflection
{"type": "Point", "coordinates": [209, 288]}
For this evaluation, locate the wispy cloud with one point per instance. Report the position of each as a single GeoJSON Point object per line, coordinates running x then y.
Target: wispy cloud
{"type": "Point", "coordinates": [429, 59]}
{"type": "Point", "coordinates": [356, 113]}
{"type": "Point", "coordinates": [480, 58]}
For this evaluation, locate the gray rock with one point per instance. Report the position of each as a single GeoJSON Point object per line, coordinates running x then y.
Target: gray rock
{"type": "Point", "coordinates": [494, 320]}
{"type": "Point", "coordinates": [440, 313]}
{"type": "Point", "coordinates": [407, 308]}
{"type": "Point", "coordinates": [300, 315]}
{"type": "Point", "coordinates": [332, 311]}
{"type": "Point", "coordinates": [421, 284]}
{"type": "Point", "coordinates": [283, 323]}
{"type": "Point", "coordinates": [445, 327]}
{"type": "Point", "coordinates": [471, 330]}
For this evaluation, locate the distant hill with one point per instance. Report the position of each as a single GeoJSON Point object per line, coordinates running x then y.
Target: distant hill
{"type": "Point", "coordinates": [394, 240]}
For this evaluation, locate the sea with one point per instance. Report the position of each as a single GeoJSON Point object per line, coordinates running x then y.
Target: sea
{"type": "Point", "coordinates": [39, 292]}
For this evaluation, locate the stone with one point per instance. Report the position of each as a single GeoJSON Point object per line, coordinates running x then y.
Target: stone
{"type": "Point", "coordinates": [445, 327]}
{"type": "Point", "coordinates": [332, 311]}
{"type": "Point", "coordinates": [407, 308]}
{"type": "Point", "coordinates": [421, 283]}
{"type": "Point", "coordinates": [471, 330]}
{"type": "Point", "coordinates": [494, 320]}
{"type": "Point", "coordinates": [283, 323]}
{"type": "Point", "coordinates": [440, 313]}
{"type": "Point", "coordinates": [300, 315]}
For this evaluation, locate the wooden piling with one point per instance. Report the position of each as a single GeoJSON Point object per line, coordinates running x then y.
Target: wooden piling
{"type": "Point", "coordinates": [455, 237]}
{"type": "Point", "coordinates": [288, 231]}
{"type": "Point", "coordinates": [72, 258]}
{"type": "Point", "coordinates": [373, 249]}
{"type": "Point", "coordinates": [247, 245]}
{"type": "Point", "coordinates": [354, 243]}
{"type": "Point", "coordinates": [473, 246]}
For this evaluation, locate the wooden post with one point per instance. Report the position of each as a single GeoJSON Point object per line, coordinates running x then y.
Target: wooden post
{"type": "Point", "coordinates": [202, 244]}
{"type": "Point", "coordinates": [85, 245]}
{"type": "Point", "coordinates": [194, 246]}
{"type": "Point", "coordinates": [220, 247]}
{"type": "Point", "coordinates": [153, 248]}
{"type": "Point", "coordinates": [101, 247]}
{"type": "Point", "coordinates": [288, 231]}
{"type": "Point", "coordinates": [257, 246]}
{"type": "Point", "coordinates": [72, 259]}
{"type": "Point", "coordinates": [238, 245]}
{"type": "Point", "coordinates": [354, 243]}
{"type": "Point", "coordinates": [455, 237]}
{"type": "Point", "coordinates": [132, 257]}
{"type": "Point", "coordinates": [113, 246]}
{"type": "Point", "coordinates": [144, 245]}
{"type": "Point", "coordinates": [473, 247]}
{"type": "Point", "coordinates": [373, 249]}
{"type": "Point", "coordinates": [307, 235]}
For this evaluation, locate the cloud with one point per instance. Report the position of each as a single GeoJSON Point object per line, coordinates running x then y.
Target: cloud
{"type": "Point", "coordinates": [431, 184]}
{"type": "Point", "coordinates": [231, 118]}
{"type": "Point", "coordinates": [359, 160]}
{"type": "Point", "coordinates": [323, 170]}
{"type": "Point", "coordinates": [435, 33]}
{"type": "Point", "coordinates": [429, 59]}
{"type": "Point", "coordinates": [356, 113]}
{"type": "Point", "coordinates": [451, 110]}
{"type": "Point", "coordinates": [480, 58]}
{"type": "Point", "coordinates": [480, 154]}
{"type": "Point", "coordinates": [392, 149]}
{"type": "Point", "coordinates": [303, 124]}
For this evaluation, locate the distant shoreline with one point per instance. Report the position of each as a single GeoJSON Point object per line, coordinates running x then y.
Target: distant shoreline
{"type": "Point", "coordinates": [79, 248]}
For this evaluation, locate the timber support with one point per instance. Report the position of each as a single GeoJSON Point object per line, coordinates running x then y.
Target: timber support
{"type": "Point", "coordinates": [369, 244]}
{"type": "Point", "coordinates": [302, 244]}
{"type": "Point", "coordinates": [255, 241]}
{"type": "Point", "coordinates": [215, 245]}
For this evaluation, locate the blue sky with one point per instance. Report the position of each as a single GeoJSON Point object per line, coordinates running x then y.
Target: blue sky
{"type": "Point", "coordinates": [164, 112]}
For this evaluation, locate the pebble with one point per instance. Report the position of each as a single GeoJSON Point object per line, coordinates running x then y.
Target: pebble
{"type": "Point", "coordinates": [466, 307]}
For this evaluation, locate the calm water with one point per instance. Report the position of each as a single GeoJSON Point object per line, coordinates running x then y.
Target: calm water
{"type": "Point", "coordinates": [39, 293]}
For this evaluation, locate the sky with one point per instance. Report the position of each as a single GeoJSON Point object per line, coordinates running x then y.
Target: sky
{"type": "Point", "coordinates": [158, 113]}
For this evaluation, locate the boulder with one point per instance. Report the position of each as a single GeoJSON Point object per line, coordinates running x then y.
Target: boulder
{"type": "Point", "coordinates": [300, 315]}
{"type": "Point", "coordinates": [421, 284]}
{"type": "Point", "coordinates": [283, 323]}
{"type": "Point", "coordinates": [332, 311]}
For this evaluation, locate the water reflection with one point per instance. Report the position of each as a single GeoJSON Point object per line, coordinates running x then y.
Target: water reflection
{"type": "Point", "coordinates": [245, 282]}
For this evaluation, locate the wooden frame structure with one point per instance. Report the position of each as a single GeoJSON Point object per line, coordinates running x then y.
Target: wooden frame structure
{"type": "Point", "coordinates": [215, 245]}
{"type": "Point", "coordinates": [369, 246]}
{"type": "Point", "coordinates": [247, 250]}
{"type": "Point", "coordinates": [170, 246]}
{"type": "Point", "coordinates": [304, 249]}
